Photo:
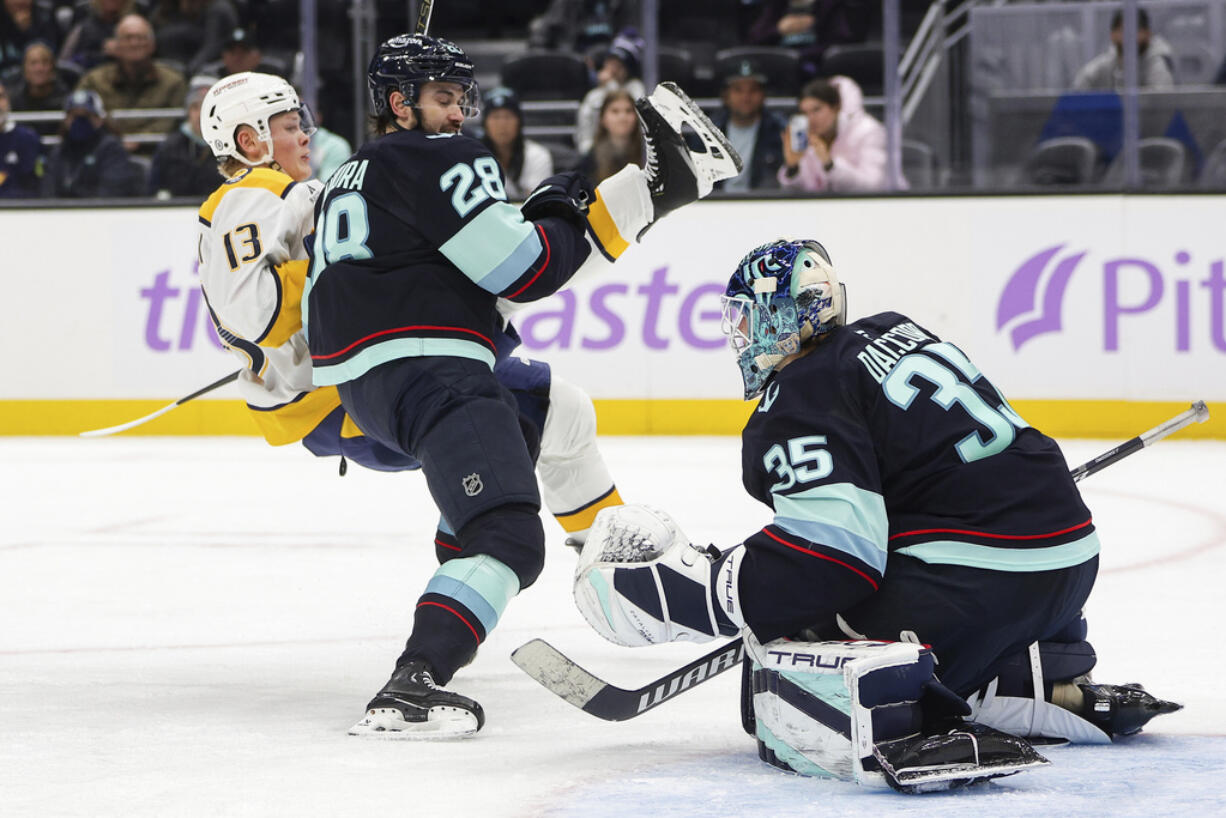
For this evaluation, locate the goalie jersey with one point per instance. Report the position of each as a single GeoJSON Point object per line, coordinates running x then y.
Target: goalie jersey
{"type": "Point", "coordinates": [885, 440]}
{"type": "Point", "coordinates": [253, 262]}
{"type": "Point", "coordinates": [414, 244]}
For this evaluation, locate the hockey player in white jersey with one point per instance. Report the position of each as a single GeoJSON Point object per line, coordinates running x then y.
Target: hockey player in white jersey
{"type": "Point", "coordinates": [253, 258]}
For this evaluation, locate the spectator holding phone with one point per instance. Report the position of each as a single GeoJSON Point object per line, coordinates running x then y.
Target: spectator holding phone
{"type": "Point", "coordinates": [837, 146]}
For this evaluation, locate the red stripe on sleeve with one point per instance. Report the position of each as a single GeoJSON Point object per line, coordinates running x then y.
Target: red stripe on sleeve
{"type": "Point", "coordinates": [548, 253]}
{"type": "Point", "coordinates": [812, 553]}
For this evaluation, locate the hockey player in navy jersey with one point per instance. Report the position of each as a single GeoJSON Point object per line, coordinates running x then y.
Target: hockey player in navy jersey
{"type": "Point", "coordinates": [912, 505]}
{"type": "Point", "coordinates": [252, 266]}
{"type": "Point", "coordinates": [417, 255]}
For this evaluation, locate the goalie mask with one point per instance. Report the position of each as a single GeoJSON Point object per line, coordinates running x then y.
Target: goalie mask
{"type": "Point", "coordinates": [249, 99]}
{"type": "Point", "coordinates": [408, 61]}
{"type": "Point", "coordinates": [781, 295]}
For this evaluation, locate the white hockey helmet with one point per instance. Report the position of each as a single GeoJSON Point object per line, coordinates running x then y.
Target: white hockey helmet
{"type": "Point", "coordinates": [251, 99]}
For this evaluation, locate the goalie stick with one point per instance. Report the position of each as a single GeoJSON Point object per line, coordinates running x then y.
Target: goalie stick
{"type": "Point", "coordinates": [110, 430]}
{"type": "Point", "coordinates": [562, 677]}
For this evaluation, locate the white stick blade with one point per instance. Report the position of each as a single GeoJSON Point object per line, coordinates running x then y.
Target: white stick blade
{"type": "Point", "coordinates": [543, 662]}
{"type": "Point", "coordinates": [110, 430]}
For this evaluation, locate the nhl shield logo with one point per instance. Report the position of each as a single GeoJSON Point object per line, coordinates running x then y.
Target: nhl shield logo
{"type": "Point", "coordinates": [473, 485]}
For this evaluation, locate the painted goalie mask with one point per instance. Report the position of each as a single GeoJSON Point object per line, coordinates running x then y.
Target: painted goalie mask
{"type": "Point", "coordinates": [781, 295]}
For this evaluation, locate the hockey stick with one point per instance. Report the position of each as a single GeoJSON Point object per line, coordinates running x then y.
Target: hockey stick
{"type": "Point", "coordinates": [562, 677]}
{"type": "Point", "coordinates": [110, 430]}
{"type": "Point", "coordinates": [549, 666]}
{"type": "Point", "coordinates": [1197, 413]}
{"type": "Point", "coordinates": [424, 10]}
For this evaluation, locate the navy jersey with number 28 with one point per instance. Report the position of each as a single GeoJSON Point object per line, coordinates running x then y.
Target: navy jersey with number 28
{"type": "Point", "coordinates": [414, 243]}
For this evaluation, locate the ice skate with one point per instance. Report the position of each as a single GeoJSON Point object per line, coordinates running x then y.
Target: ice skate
{"type": "Point", "coordinates": [412, 706]}
{"type": "Point", "coordinates": [686, 154]}
{"type": "Point", "coordinates": [1122, 710]}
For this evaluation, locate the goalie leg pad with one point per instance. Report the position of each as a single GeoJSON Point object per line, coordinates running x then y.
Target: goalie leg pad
{"type": "Point", "coordinates": [856, 711]}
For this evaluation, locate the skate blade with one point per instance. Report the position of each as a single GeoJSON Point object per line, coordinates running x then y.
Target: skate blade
{"type": "Point", "coordinates": [717, 160]}
{"type": "Point", "coordinates": [441, 723]}
{"type": "Point", "coordinates": [939, 778]}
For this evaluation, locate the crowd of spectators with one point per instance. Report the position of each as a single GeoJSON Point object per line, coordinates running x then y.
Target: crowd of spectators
{"type": "Point", "coordinates": [161, 56]}
{"type": "Point", "coordinates": [79, 73]}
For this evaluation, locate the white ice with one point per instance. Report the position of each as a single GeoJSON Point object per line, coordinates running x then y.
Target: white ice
{"type": "Point", "coordinates": [188, 627]}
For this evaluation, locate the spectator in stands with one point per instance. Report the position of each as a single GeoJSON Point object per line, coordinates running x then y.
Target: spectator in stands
{"type": "Point", "coordinates": [579, 25]}
{"type": "Point", "coordinates": [21, 161]}
{"type": "Point", "coordinates": [525, 163]}
{"type": "Point", "coordinates": [90, 161]}
{"type": "Point", "coordinates": [241, 52]}
{"type": "Point", "coordinates": [91, 40]}
{"type": "Point", "coordinates": [135, 80]}
{"type": "Point", "coordinates": [618, 142]}
{"type": "Point", "coordinates": [1154, 60]}
{"type": "Point", "coordinates": [21, 23]}
{"type": "Point", "coordinates": [40, 88]}
{"type": "Point", "coordinates": [618, 72]}
{"type": "Point", "coordinates": [754, 131]}
{"type": "Point", "coordinates": [192, 32]}
{"type": "Point", "coordinates": [184, 165]}
{"type": "Point", "coordinates": [809, 27]}
{"type": "Point", "coordinates": [845, 146]}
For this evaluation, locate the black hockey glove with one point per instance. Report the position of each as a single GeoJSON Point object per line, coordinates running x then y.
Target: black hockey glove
{"type": "Point", "coordinates": [564, 195]}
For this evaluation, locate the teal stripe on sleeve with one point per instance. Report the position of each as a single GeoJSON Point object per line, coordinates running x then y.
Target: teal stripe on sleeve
{"type": "Point", "coordinates": [495, 248]}
{"type": "Point", "coordinates": [366, 360]}
{"type": "Point", "coordinates": [839, 515]}
{"type": "Point", "coordinates": [482, 584]}
{"type": "Point", "coordinates": [1051, 558]}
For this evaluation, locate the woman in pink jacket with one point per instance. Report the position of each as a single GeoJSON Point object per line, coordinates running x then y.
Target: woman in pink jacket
{"type": "Point", "coordinates": [842, 149]}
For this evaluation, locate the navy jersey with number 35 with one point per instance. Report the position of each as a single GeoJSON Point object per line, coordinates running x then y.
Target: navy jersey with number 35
{"type": "Point", "coordinates": [885, 440]}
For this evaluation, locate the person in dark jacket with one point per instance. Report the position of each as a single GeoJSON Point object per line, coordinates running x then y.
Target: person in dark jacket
{"type": "Point", "coordinates": [809, 27]}
{"type": "Point", "coordinates": [754, 131]}
{"type": "Point", "coordinates": [40, 88]}
{"type": "Point", "coordinates": [21, 160]}
{"type": "Point", "coordinates": [184, 165]}
{"type": "Point", "coordinates": [21, 23]}
{"type": "Point", "coordinates": [90, 161]}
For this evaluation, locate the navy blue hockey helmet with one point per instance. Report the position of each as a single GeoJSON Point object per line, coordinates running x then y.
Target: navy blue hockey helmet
{"type": "Point", "coordinates": [781, 295]}
{"type": "Point", "coordinates": [407, 61]}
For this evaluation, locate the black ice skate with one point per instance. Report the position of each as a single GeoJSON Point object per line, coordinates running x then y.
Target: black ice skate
{"type": "Point", "coordinates": [686, 154]}
{"type": "Point", "coordinates": [1122, 710]}
{"type": "Point", "coordinates": [412, 706]}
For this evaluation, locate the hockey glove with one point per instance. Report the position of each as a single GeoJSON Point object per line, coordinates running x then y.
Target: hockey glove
{"type": "Point", "coordinates": [640, 581]}
{"type": "Point", "coordinates": [564, 196]}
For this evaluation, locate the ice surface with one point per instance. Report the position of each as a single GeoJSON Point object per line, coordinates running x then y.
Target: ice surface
{"type": "Point", "coordinates": [188, 627]}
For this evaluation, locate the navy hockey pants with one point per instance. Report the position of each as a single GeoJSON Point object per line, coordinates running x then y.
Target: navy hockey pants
{"type": "Point", "coordinates": [976, 620]}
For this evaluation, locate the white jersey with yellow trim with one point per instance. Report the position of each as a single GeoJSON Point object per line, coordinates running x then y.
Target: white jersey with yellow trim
{"type": "Point", "coordinates": [253, 264]}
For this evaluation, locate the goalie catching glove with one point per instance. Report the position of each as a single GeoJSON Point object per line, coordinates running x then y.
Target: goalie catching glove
{"type": "Point", "coordinates": [640, 581]}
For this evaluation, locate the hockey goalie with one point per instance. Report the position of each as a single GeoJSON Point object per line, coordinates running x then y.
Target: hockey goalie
{"type": "Point", "coordinates": [912, 614]}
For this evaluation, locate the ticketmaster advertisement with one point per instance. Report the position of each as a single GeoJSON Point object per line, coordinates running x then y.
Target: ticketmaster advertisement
{"type": "Point", "coordinates": [1055, 298]}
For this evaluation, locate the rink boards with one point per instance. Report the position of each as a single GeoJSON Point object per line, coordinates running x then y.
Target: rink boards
{"type": "Point", "coordinates": [1097, 315]}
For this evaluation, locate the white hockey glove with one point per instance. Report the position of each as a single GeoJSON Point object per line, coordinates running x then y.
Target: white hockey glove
{"type": "Point", "coordinates": [640, 581]}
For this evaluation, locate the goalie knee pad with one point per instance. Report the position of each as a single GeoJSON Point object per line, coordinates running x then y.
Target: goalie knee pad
{"type": "Point", "coordinates": [858, 711]}
{"type": "Point", "coordinates": [1017, 700]}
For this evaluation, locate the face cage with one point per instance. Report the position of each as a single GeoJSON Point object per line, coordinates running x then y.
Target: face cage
{"type": "Point", "coordinates": [470, 102]}
{"type": "Point", "coordinates": [761, 335]}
